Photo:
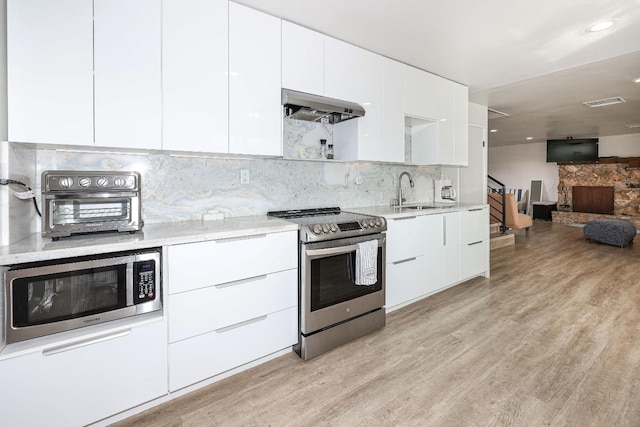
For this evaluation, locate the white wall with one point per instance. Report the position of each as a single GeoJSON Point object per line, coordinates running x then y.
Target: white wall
{"type": "Point", "coordinates": [516, 165]}
{"type": "Point", "coordinates": [621, 146]}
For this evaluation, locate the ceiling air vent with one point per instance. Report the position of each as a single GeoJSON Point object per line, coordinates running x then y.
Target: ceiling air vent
{"type": "Point", "coordinates": [633, 125]}
{"type": "Point", "coordinates": [603, 102]}
{"type": "Point", "coordinates": [494, 114]}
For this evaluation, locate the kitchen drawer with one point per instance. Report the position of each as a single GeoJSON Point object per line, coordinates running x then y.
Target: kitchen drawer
{"type": "Point", "coordinates": [198, 265]}
{"type": "Point", "coordinates": [474, 258]}
{"type": "Point", "coordinates": [85, 381]}
{"type": "Point", "coordinates": [406, 280]}
{"type": "Point", "coordinates": [474, 225]}
{"type": "Point", "coordinates": [204, 356]}
{"type": "Point", "coordinates": [405, 238]}
{"type": "Point", "coordinates": [206, 309]}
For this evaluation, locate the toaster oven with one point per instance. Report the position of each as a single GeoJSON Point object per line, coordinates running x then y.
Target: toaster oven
{"type": "Point", "coordinates": [79, 202]}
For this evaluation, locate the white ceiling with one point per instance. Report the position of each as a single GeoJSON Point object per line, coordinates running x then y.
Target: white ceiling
{"type": "Point", "coordinates": [533, 60]}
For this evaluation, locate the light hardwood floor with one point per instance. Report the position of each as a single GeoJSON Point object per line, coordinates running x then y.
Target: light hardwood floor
{"type": "Point", "coordinates": [552, 338]}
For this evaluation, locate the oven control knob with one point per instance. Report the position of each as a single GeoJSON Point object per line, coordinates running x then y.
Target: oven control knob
{"type": "Point", "coordinates": [66, 182]}
{"type": "Point", "coordinates": [325, 228]}
{"type": "Point", "coordinates": [102, 182]}
{"type": "Point", "coordinates": [119, 181]}
{"type": "Point", "coordinates": [379, 222]}
{"type": "Point", "coordinates": [317, 229]}
{"type": "Point", "coordinates": [84, 182]}
{"type": "Point", "coordinates": [334, 228]}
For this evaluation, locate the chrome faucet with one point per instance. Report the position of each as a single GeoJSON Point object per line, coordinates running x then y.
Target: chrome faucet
{"type": "Point", "coordinates": [401, 199]}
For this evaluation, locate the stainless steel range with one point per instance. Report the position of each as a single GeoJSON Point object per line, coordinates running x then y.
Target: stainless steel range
{"type": "Point", "coordinates": [342, 277]}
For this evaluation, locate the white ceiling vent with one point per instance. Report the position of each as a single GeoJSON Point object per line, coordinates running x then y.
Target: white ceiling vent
{"type": "Point", "coordinates": [494, 114]}
{"type": "Point", "coordinates": [603, 102]}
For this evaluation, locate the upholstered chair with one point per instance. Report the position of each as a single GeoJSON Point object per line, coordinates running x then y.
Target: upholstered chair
{"type": "Point", "coordinates": [515, 220]}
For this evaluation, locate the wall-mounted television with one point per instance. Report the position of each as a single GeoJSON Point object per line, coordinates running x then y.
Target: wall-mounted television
{"type": "Point", "coordinates": [572, 150]}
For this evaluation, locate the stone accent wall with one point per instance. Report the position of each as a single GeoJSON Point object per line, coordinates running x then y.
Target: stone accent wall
{"type": "Point", "coordinates": [624, 180]}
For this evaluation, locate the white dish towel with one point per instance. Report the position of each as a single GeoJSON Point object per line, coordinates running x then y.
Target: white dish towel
{"type": "Point", "coordinates": [367, 263]}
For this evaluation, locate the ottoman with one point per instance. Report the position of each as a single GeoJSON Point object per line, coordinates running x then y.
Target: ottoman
{"type": "Point", "coordinates": [615, 232]}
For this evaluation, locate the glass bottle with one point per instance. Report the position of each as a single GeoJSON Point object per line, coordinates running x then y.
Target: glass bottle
{"type": "Point", "coordinates": [330, 152]}
{"type": "Point", "coordinates": [323, 148]}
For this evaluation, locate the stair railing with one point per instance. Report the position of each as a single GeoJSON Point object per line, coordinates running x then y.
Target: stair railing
{"type": "Point", "coordinates": [500, 215]}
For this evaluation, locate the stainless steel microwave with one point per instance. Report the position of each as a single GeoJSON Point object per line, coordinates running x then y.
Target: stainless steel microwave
{"type": "Point", "coordinates": [55, 296]}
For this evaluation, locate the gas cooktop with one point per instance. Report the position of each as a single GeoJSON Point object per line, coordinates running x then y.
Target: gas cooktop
{"type": "Point", "coordinates": [331, 223]}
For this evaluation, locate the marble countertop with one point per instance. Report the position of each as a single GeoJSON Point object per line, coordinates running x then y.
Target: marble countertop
{"type": "Point", "coordinates": [427, 208]}
{"type": "Point", "coordinates": [37, 248]}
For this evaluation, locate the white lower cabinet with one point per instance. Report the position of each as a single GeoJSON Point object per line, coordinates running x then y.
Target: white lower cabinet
{"type": "Point", "coordinates": [474, 245]}
{"type": "Point", "coordinates": [435, 252]}
{"type": "Point", "coordinates": [405, 268]}
{"type": "Point", "coordinates": [85, 381]}
{"type": "Point", "coordinates": [240, 307]}
{"type": "Point", "coordinates": [451, 248]}
{"type": "Point", "coordinates": [406, 280]}
{"type": "Point", "coordinates": [204, 356]}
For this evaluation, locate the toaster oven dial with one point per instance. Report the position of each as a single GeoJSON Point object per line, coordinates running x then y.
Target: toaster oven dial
{"type": "Point", "coordinates": [119, 181]}
{"type": "Point", "coordinates": [102, 182]}
{"type": "Point", "coordinates": [84, 182]}
{"type": "Point", "coordinates": [66, 182]}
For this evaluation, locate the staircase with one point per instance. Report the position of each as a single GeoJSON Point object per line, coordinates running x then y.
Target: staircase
{"type": "Point", "coordinates": [499, 239]}
{"type": "Point", "coordinates": [497, 216]}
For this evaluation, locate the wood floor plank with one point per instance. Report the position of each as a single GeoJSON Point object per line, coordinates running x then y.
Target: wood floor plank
{"type": "Point", "coordinates": [552, 338]}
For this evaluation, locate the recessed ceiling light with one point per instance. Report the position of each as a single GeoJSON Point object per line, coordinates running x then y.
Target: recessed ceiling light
{"type": "Point", "coordinates": [636, 80]}
{"type": "Point", "coordinates": [493, 130]}
{"type": "Point", "coordinates": [529, 138]}
{"type": "Point", "coordinates": [601, 26]}
{"type": "Point", "coordinates": [633, 125]}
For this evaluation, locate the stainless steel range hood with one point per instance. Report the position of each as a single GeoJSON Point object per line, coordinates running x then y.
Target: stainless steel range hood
{"type": "Point", "coordinates": [315, 108]}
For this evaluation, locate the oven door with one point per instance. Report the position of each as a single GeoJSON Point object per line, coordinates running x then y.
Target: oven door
{"type": "Point", "coordinates": [92, 212]}
{"type": "Point", "coordinates": [328, 292]}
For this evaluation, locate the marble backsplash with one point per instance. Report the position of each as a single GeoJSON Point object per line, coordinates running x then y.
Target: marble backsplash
{"type": "Point", "coordinates": [180, 187]}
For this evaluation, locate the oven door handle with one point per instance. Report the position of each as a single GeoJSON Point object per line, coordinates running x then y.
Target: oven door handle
{"type": "Point", "coordinates": [331, 251]}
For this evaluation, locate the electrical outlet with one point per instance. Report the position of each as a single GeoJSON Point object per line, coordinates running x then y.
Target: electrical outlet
{"type": "Point", "coordinates": [244, 176]}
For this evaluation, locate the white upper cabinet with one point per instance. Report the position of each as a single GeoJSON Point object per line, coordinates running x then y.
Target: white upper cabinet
{"type": "Point", "coordinates": [255, 111]}
{"type": "Point", "coordinates": [340, 69]}
{"type": "Point", "coordinates": [379, 135]}
{"type": "Point", "coordinates": [438, 109]}
{"type": "Point", "coordinates": [50, 71]}
{"type": "Point", "coordinates": [302, 59]}
{"type": "Point", "coordinates": [127, 51]}
{"type": "Point", "coordinates": [461, 131]}
{"type": "Point", "coordinates": [195, 75]}
{"type": "Point", "coordinates": [393, 142]}
{"type": "Point", "coordinates": [420, 93]}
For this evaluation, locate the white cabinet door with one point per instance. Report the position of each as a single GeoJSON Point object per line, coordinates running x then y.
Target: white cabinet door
{"type": "Point", "coordinates": [195, 75]}
{"type": "Point", "coordinates": [340, 69]}
{"type": "Point", "coordinates": [434, 252]}
{"type": "Point", "coordinates": [420, 93]}
{"type": "Point", "coordinates": [302, 59]}
{"type": "Point", "coordinates": [406, 281]}
{"type": "Point", "coordinates": [405, 238]}
{"type": "Point", "coordinates": [87, 380]}
{"type": "Point", "coordinates": [445, 152]}
{"type": "Point", "coordinates": [474, 246]}
{"type": "Point", "coordinates": [461, 132]}
{"type": "Point", "coordinates": [393, 144]}
{"type": "Point", "coordinates": [50, 71]}
{"type": "Point", "coordinates": [127, 51]}
{"type": "Point", "coordinates": [451, 261]}
{"type": "Point", "coordinates": [371, 96]}
{"type": "Point", "coordinates": [255, 111]}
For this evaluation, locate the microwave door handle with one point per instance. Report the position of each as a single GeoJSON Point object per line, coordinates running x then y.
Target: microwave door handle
{"type": "Point", "coordinates": [129, 284]}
